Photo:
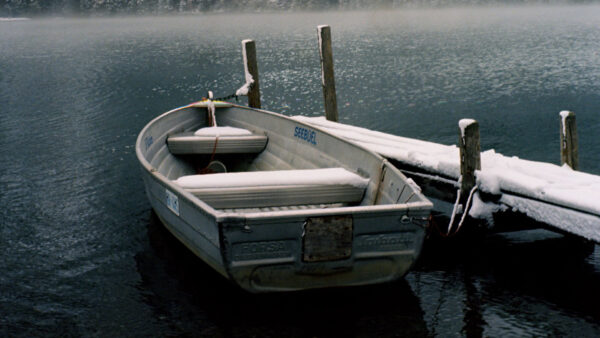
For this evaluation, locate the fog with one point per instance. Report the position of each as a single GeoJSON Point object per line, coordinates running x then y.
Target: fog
{"type": "Point", "coordinates": [16, 8]}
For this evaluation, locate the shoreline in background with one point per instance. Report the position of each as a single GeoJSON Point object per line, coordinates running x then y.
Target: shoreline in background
{"type": "Point", "coordinates": [100, 8]}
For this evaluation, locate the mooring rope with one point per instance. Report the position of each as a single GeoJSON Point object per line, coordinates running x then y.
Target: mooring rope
{"type": "Point", "coordinates": [207, 169]}
{"type": "Point", "coordinates": [465, 211]}
{"type": "Point", "coordinates": [235, 95]}
{"type": "Point", "coordinates": [454, 211]}
{"type": "Point", "coordinates": [224, 98]}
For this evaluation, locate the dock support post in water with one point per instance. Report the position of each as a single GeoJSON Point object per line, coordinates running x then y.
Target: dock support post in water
{"type": "Point", "coordinates": [470, 155]}
{"type": "Point", "coordinates": [327, 79]}
{"type": "Point", "coordinates": [251, 68]}
{"type": "Point", "coordinates": [569, 152]}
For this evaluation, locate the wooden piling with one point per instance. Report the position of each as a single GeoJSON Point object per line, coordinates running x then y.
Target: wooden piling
{"type": "Point", "coordinates": [327, 78]}
{"type": "Point", "coordinates": [569, 149]}
{"type": "Point", "coordinates": [470, 154]}
{"type": "Point", "coordinates": [251, 72]}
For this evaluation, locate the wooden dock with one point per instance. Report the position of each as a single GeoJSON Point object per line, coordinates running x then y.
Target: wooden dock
{"type": "Point", "coordinates": [564, 199]}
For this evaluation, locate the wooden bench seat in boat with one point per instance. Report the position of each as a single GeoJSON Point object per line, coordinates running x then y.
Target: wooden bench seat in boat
{"type": "Point", "coordinates": [228, 141]}
{"type": "Point", "coordinates": [276, 188]}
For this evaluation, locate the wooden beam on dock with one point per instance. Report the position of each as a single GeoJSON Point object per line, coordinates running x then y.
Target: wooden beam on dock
{"type": "Point", "coordinates": [569, 149]}
{"type": "Point", "coordinates": [251, 68]}
{"type": "Point", "coordinates": [327, 78]}
{"type": "Point", "coordinates": [470, 155]}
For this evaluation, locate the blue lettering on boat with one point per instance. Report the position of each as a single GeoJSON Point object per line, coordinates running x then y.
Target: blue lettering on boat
{"type": "Point", "coordinates": [172, 202]}
{"type": "Point", "coordinates": [148, 140]}
{"type": "Point", "coordinates": [305, 134]}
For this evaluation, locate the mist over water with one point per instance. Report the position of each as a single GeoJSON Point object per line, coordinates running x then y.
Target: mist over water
{"type": "Point", "coordinates": [15, 8]}
{"type": "Point", "coordinates": [82, 254]}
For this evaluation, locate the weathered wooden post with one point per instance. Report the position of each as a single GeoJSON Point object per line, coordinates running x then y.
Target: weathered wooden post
{"type": "Point", "coordinates": [327, 79]}
{"type": "Point", "coordinates": [251, 73]}
{"type": "Point", "coordinates": [470, 155]}
{"type": "Point", "coordinates": [569, 149]}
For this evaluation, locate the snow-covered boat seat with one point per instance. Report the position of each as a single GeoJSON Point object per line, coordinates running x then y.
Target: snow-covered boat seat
{"type": "Point", "coordinates": [228, 140]}
{"type": "Point", "coordinates": [276, 188]}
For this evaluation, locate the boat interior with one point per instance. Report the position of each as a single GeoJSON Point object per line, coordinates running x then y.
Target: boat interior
{"type": "Point", "coordinates": [242, 161]}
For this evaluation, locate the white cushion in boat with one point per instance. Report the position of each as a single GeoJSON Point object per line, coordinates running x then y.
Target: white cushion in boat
{"type": "Point", "coordinates": [222, 131]}
{"type": "Point", "coordinates": [230, 141]}
{"type": "Point", "coordinates": [276, 188]}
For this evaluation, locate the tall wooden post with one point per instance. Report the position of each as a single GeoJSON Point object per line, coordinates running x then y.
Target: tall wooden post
{"type": "Point", "coordinates": [251, 72]}
{"type": "Point", "coordinates": [569, 149]}
{"type": "Point", "coordinates": [327, 79]}
{"type": "Point", "coordinates": [470, 154]}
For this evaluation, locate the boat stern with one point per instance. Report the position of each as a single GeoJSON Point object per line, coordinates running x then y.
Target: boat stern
{"type": "Point", "coordinates": [296, 253]}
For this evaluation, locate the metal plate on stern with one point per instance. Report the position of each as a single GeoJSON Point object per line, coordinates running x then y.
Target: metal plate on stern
{"type": "Point", "coordinates": [327, 238]}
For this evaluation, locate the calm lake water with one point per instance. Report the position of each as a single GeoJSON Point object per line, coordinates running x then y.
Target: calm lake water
{"type": "Point", "coordinates": [81, 253]}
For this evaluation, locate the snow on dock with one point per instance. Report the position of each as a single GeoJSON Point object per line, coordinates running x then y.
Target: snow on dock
{"type": "Point", "coordinates": [556, 195]}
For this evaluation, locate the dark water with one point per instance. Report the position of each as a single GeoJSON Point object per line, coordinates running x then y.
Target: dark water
{"type": "Point", "coordinates": [82, 254]}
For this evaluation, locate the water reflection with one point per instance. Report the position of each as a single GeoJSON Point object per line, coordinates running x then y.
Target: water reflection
{"type": "Point", "coordinates": [528, 283]}
{"type": "Point", "coordinates": [190, 298]}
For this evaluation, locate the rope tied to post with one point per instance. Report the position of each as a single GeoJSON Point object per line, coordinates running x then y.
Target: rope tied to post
{"type": "Point", "coordinates": [242, 91]}
{"type": "Point", "coordinates": [455, 211]}
{"type": "Point", "coordinates": [250, 88]}
{"type": "Point", "coordinates": [223, 98]}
